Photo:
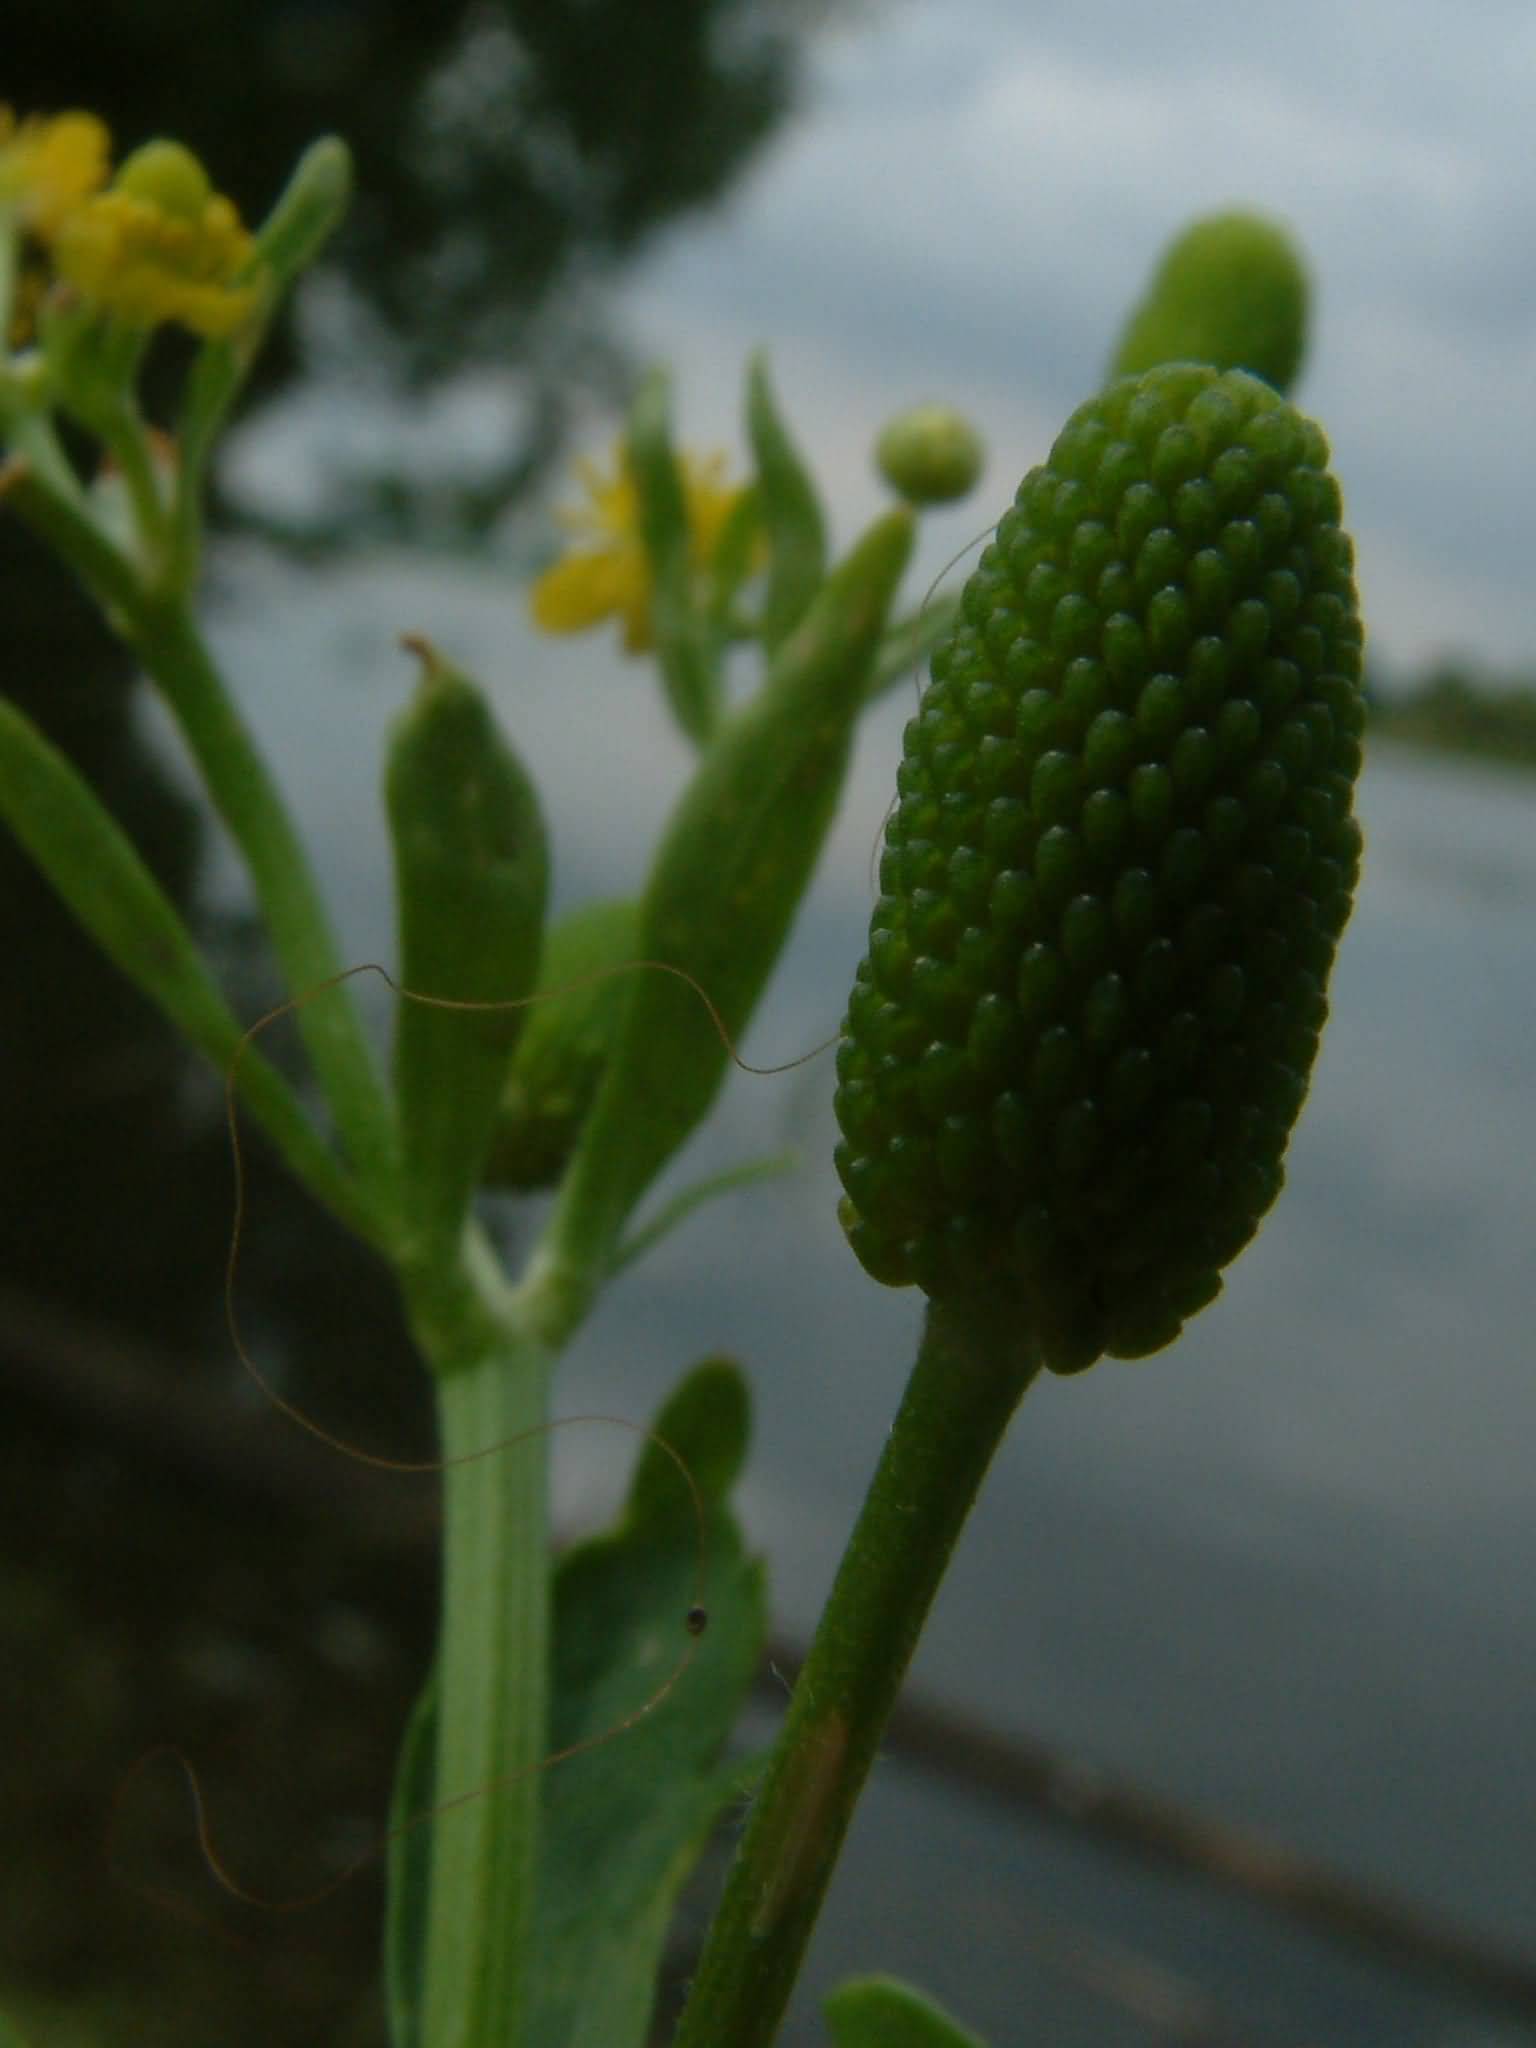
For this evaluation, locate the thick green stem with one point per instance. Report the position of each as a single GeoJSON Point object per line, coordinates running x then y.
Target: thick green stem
{"type": "Point", "coordinates": [969, 1377]}
{"type": "Point", "coordinates": [492, 1713]}
{"type": "Point", "coordinates": [248, 800]}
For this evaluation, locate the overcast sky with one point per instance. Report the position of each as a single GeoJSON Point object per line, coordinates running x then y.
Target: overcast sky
{"type": "Point", "coordinates": [976, 190]}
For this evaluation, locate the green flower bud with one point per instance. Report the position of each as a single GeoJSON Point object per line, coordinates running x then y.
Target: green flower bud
{"type": "Point", "coordinates": [308, 209]}
{"type": "Point", "coordinates": [169, 176]}
{"type": "Point", "coordinates": [930, 455]}
{"type": "Point", "coordinates": [1122, 855]}
{"type": "Point", "coordinates": [1230, 291]}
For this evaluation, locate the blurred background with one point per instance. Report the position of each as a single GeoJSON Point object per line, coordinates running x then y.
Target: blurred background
{"type": "Point", "coordinates": [1273, 1586]}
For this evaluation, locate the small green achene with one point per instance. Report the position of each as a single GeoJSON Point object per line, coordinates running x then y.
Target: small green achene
{"type": "Point", "coordinates": [1122, 856]}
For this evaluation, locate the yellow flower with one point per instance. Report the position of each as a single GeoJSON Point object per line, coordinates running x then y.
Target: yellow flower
{"type": "Point", "coordinates": [607, 573]}
{"type": "Point", "coordinates": [50, 168]}
{"type": "Point", "coordinates": [161, 245]}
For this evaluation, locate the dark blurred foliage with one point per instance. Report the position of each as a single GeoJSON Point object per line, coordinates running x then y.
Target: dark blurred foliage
{"type": "Point", "coordinates": [1463, 710]}
{"type": "Point", "coordinates": [511, 157]}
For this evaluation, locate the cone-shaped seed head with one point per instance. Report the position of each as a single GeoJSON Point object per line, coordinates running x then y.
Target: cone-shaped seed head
{"type": "Point", "coordinates": [1120, 862]}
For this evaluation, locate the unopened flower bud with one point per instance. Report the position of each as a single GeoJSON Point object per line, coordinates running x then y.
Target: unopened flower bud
{"type": "Point", "coordinates": [930, 455]}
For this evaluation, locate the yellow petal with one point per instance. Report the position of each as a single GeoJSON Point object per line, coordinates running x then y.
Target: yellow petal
{"type": "Point", "coordinates": [580, 591]}
{"type": "Point", "coordinates": [147, 261]}
{"type": "Point", "coordinates": [49, 168]}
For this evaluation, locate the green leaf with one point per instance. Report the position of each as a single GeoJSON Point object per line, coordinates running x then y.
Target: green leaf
{"type": "Point", "coordinates": [882, 2012]}
{"type": "Point", "coordinates": [625, 1820]}
{"type": "Point", "coordinates": [791, 510]}
{"type": "Point", "coordinates": [565, 1043]}
{"type": "Point", "coordinates": [727, 879]}
{"type": "Point", "coordinates": [732, 563]}
{"type": "Point", "coordinates": [772, 1166]}
{"type": "Point", "coordinates": [98, 873]}
{"type": "Point", "coordinates": [410, 1870]}
{"type": "Point", "coordinates": [306, 215]}
{"type": "Point", "coordinates": [308, 210]}
{"type": "Point", "coordinates": [686, 643]}
{"type": "Point", "coordinates": [471, 875]}
{"type": "Point", "coordinates": [10, 2035]}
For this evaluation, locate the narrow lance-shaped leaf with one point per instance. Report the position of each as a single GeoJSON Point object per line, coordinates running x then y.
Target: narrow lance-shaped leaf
{"type": "Point", "coordinates": [731, 564]}
{"type": "Point", "coordinates": [727, 878]}
{"type": "Point", "coordinates": [98, 872]}
{"type": "Point", "coordinates": [308, 210]}
{"type": "Point", "coordinates": [791, 509]}
{"type": "Point", "coordinates": [686, 641]}
{"type": "Point", "coordinates": [565, 1043]}
{"type": "Point", "coordinates": [305, 216]}
{"type": "Point", "coordinates": [471, 874]}
{"type": "Point", "coordinates": [410, 1870]}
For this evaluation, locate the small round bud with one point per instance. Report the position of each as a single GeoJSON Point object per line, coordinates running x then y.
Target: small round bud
{"type": "Point", "coordinates": [930, 455]}
{"type": "Point", "coordinates": [168, 176]}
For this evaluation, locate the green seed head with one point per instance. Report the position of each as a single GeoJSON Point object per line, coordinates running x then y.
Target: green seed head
{"type": "Point", "coordinates": [1122, 855]}
{"type": "Point", "coordinates": [1230, 291]}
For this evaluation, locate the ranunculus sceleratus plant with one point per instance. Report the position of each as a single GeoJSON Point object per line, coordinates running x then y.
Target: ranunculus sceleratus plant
{"type": "Point", "coordinates": [1119, 861]}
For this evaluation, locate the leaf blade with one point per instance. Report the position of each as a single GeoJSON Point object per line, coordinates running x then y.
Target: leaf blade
{"type": "Point", "coordinates": [625, 1820]}
{"type": "Point", "coordinates": [99, 874]}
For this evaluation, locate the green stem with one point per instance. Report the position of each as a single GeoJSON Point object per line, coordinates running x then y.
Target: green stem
{"type": "Point", "coordinates": [492, 1712]}
{"type": "Point", "coordinates": [970, 1374]}
{"type": "Point", "coordinates": [122, 431]}
{"type": "Point", "coordinates": [248, 800]}
{"type": "Point", "coordinates": [43, 490]}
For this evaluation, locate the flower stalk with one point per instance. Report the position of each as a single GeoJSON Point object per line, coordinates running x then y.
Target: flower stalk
{"type": "Point", "coordinates": [248, 800]}
{"type": "Point", "coordinates": [972, 1370]}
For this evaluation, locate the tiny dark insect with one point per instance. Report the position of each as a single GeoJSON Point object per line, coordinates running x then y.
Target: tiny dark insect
{"type": "Point", "coordinates": [696, 1620]}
